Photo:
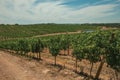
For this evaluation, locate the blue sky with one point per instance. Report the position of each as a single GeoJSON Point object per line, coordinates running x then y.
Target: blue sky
{"type": "Point", "coordinates": [59, 11]}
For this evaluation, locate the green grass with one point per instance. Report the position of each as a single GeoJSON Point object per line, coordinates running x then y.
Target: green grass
{"type": "Point", "coordinates": [21, 31]}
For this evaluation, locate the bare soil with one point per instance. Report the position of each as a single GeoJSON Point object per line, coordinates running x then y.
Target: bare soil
{"type": "Point", "coordinates": [53, 34]}
{"type": "Point", "coordinates": [20, 68]}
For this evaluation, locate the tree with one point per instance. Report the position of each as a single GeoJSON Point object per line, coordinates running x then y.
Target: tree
{"type": "Point", "coordinates": [68, 43]}
{"type": "Point", "coordinates": [78, 49]}
{"type": "Point", "coordinates": [64, 43]}
{"type": "Point", "coordinates": [97, 42]}
{"type": "Point", "coordinates": [113, 56]}
{"type": "Point", "coordinates": [92, 55]}
{"type": "Point", "coordinates": [78, 54]}
{"type": "Point", "coordinates": [24, 47]}
{"type": "Point", "coordinates": [37, 48]}
{"type": "Point", "coordinates": [41, 47]}
{"type": "Point", "coordinates": [54, 47]}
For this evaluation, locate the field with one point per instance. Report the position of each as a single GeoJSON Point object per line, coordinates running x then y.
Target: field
{"type": "Point", "coordinates": [73, 52]}
{"type": "Point", "coordinates": [59, 39]}
{"type": "Point", "coordinates": [20, 31]}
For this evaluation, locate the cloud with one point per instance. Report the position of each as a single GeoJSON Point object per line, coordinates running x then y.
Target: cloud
{"type": "Point", "coordinates": [50, 11]}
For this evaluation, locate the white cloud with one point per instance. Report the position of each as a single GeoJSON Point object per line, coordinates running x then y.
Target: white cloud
{"type": "Point", "coordinates": [26, 11]}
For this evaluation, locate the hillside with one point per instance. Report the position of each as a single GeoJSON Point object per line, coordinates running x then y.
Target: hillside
{"type": "Point", "coordinates": [20, 31]}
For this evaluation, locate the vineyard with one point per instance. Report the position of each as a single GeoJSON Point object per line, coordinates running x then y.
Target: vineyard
{"type": "Point", "coordinates": [101, 47]}
{"type": "Point", "coordinates": [22, 31]}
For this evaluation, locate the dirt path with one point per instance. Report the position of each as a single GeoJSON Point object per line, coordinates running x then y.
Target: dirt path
{"type": "Point", "coordinates": [10, 69]}
{"type": "Point", "coordinates": [53, 34]}
{"type": "Point", "coordinates": [19, 68]}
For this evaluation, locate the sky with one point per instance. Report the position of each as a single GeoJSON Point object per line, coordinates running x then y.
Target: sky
{"type": "Point", "coordinates": [59, 11]}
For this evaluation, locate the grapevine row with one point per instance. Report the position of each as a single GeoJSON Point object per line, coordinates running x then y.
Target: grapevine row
{"type": "Point", "coordinates": [99, 46]}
